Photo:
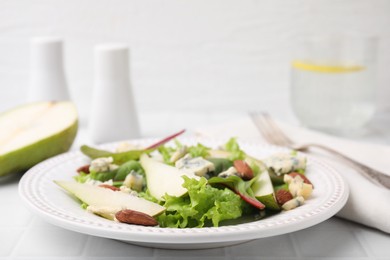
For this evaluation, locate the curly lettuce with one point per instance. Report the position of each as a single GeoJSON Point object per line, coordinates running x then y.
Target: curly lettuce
{"type": "Point", "coordinates": [204, 205]}
{"type": "Point", "coordinates": [233, 147]}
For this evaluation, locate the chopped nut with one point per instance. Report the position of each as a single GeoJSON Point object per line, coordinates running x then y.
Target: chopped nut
{"type": "Point", "coordinates": [282, 196]}
{"type": "Point", "coordinates": [135, 217]}
{"type": "Point", "coordinates": [243, 169]}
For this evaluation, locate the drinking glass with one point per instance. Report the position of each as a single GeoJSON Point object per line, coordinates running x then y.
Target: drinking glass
{"type": "Point", "coordinates": [333, 82]}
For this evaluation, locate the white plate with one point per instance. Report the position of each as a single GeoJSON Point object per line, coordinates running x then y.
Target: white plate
{"type": "Point", "coordinates": [57, 207]}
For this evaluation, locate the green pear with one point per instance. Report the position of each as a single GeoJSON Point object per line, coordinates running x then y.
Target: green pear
{"type": "Point", "coordinates": [105, 198]}
{"type": "Point", "coordinates": [164, 179]}
{"type": "Point", "coordinates": [34, 132]}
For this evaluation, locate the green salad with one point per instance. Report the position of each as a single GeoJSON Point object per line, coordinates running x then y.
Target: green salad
{"type": "Point", "coordinates": [171, 184]}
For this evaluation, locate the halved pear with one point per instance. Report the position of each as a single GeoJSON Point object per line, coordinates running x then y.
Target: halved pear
{"type": "Point", "coordinates": [99, 197]}
{"type": "Point", "coordinates": [34, 132]}
{"type": "Point", "coordinates": [164, 179]}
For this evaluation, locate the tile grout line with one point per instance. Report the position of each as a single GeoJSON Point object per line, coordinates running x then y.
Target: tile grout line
{"type": "Point", "coordinates": [155, 251]}
{"type": "Point", "coordinates": [367, 250]}
{"type": "Point", "coordinates": [361, 240]}
{"type": "Point", "coordinates": [86, 247]}
{"type": "Point", "coordinates": [227, 251]}
{"type": "Point", "coordinates": [26, 229]}
{"type": "Point", "coordinates": [298, 254]}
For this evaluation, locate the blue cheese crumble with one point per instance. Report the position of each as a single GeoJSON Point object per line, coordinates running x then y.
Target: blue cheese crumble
{"type": "Point", "coordinates": [104, 164]}
{"type": "Point", "coordinates": [282, 163]}
{"type": "Point", "coordinates": [197, 165]}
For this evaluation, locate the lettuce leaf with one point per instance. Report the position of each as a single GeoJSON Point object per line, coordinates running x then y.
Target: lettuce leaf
{"type": "Point", "coordinates": [118, 175]}
{"type": "Point", "coordinates": [240, 187]}
{"type": "Point", "coordinates": [234, 148]}
{"type": "Point", "coordinates": [166, 152]}
{"type": "Point", "coordinates": [198, 150]}
{"type": "Point", "coordinates": [204, 205]}
{"type": "Point", "coordinates": [119, 158]}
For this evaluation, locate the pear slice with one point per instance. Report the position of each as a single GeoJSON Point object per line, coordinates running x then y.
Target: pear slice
{"type": "Point", "coordinates": [34, 132]}
{"type": "Point", "coordinates": [164, 179]}
{"type": "Point", "coordinates": [262, 187]}
{"type": "Point", "coordinates": [219, 154]}
{"type": "Point", "coordinates": [99, 197]}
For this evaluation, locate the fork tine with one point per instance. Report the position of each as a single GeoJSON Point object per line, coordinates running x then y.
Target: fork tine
{"type": "Point", "coordinates": [257, 119]}
{"type": "Point", "coordinates": [269, 129]}
{"type": "Point", "coordinates": [279, 134]}
{"type": "Point", "coordinates": [274, 135]}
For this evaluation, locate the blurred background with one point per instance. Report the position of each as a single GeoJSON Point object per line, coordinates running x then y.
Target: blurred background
{"type": "Point", "coordinates": [234, 56]}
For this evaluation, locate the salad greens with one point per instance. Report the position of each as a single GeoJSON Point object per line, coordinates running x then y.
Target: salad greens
{"type": "Point", "coordinates": [122, 157]}
{"type": "Point", "coordinates": [199, 150]}
{"type": "Point", "coordinates": [240, 187]}
{"type": "Point", "coordinates": [203, 204]}
{"type": "Point", "coordinates": [118, 175]}
{"type": "Point", "coordinates": [119, 158]}
{"type": "Point", "coordinates": [233, 147]}
{"type": "Point", "coordinates": [221, 194]}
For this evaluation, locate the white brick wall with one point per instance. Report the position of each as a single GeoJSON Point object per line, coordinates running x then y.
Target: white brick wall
{"type": "Point", "coordinates": [217, 54]}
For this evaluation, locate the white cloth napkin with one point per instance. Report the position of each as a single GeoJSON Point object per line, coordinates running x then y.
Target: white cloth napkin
{"type": "Point", "coordinates": [368, 204]}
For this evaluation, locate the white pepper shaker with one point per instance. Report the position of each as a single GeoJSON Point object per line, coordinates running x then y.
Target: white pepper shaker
{"type": "Point", "coordinates": [113, 114]}
{"type": "Point", "coordinates": [47, 76]}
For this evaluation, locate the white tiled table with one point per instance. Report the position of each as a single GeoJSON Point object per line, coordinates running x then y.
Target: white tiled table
{"type": "Point", "coordinates": [25, 236]}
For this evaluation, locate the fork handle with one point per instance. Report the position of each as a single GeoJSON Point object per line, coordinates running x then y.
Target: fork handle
{"type": "Point", "coordinates": [372, 174]}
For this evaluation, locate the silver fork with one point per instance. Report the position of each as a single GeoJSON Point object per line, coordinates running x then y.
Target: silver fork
{"type": "Point", "coordinates": [274, 135]}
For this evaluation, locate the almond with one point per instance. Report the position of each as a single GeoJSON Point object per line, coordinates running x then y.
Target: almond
{"type": "Point", "coordinates": [84, 169]}
{"type": "Point", "coordinates": [107, 186]}
{"type": "Point", "coordinates": [304, 178]}
{"type": "Point", "coordinates": [135, 217]}
{"type": "Point", "coordinates": [243, 169]}
{"type": "Point", "coordinates": [282, 196]}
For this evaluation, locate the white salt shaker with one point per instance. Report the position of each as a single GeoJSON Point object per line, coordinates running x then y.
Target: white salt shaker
{"type": "Point", "coordinates": [47, 77]}
{"type": "Point", "coordinates": [113, 114]}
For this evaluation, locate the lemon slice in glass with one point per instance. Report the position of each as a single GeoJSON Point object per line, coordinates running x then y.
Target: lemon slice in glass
{"type": "Point", "coordinates": [325, 68]}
